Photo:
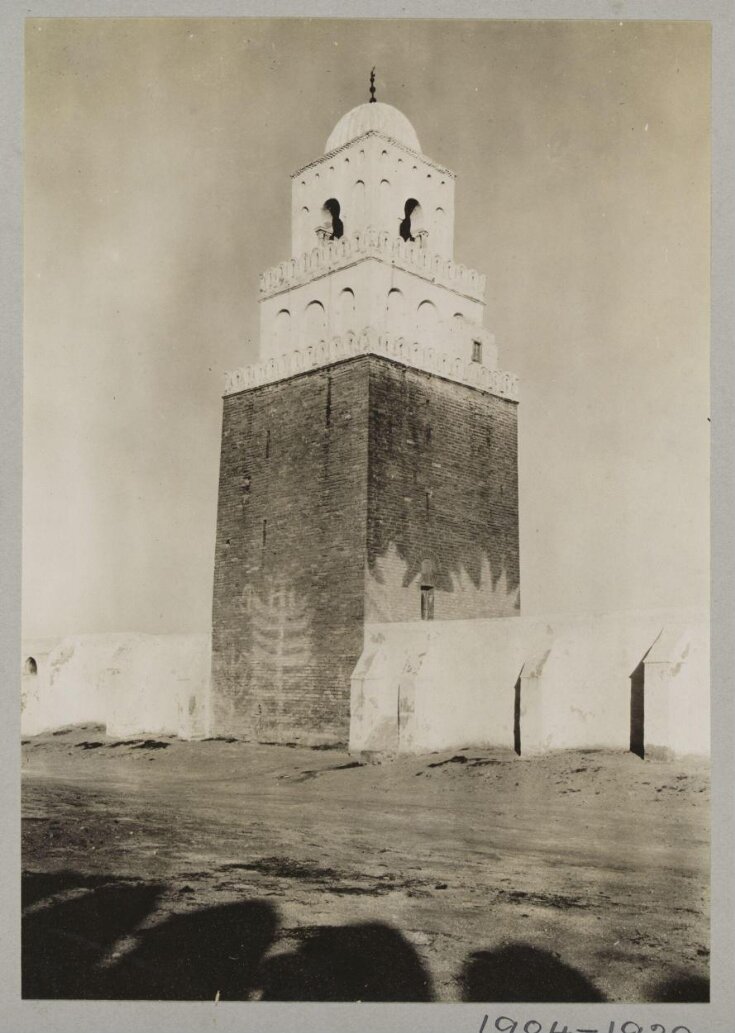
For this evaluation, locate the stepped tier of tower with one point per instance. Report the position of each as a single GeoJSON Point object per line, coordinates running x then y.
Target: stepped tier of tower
{"type": "Point", "coordinates": [368, 341]}
{"type": "Point", "coordinates": [413, 257]}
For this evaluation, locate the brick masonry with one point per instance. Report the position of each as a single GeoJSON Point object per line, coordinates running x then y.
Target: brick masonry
{"type": "Point", "coordinates": [344, 491]}
{"type": "Point", "coordinates": [442, 498]}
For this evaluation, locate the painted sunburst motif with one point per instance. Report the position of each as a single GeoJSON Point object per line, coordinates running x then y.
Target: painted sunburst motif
{"type": "Point", "coordinates": [471, 595]}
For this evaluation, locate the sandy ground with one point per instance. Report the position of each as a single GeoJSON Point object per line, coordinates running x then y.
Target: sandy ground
{"type": "Point", "coordinates": [162, 869]}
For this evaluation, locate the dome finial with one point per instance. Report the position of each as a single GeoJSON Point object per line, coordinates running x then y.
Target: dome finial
{"type": "Point", "coordinates": [372, 86]}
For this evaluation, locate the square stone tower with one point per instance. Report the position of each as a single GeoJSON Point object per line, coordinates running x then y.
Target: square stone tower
{"type": "Point", "coordinates": [368, 469]}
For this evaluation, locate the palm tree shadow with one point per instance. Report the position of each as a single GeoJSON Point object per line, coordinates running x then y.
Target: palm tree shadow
{"type": "Point", "coordinates": [63, 943]}
{"type": "Point", "coordinates": [521, 973]}
{"type": "Point", "coordinates": [67, 944]}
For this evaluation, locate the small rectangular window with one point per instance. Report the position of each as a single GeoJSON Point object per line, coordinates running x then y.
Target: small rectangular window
{"type": "Point", "coordinates": [477, 351]}
{"type": "Point", "coordinates": [267, 444]}
{"type": "Point", "coordinates": [265, 532]}
{"type": "Point", "coordinates": [427, 603]}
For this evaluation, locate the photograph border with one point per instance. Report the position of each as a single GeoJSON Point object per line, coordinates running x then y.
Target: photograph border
{"type": "Point", "coordinates": [17, 1016]}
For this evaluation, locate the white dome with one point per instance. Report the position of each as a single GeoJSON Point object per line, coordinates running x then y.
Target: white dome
{"type": "Point", "coordinates": [381, 118]}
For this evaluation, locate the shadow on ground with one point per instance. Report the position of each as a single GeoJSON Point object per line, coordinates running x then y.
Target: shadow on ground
{"type": "Point", "coordinates": [85, 937]}
{"type": "Point", "coordinates": [683, 989]}
{"type": "Point", "coordinates": [67, 945]}
{"type": "Point", "coordinates": [197, 956]}
{"type": "Point", "coordinates": [519, 972]}
{"type": "Point", "coordinates": [38, 885]}
{"type": "Point", "coordinates": [63, 944]}
{"type": "Point", "coordinates": [369, 962]}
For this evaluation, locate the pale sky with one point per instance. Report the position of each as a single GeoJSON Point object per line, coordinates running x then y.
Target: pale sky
{"type": "Point", "coordinates": [158, 154]}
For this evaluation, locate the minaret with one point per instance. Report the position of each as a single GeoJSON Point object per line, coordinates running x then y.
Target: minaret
{"type": "Point", "coordinates": [369, 460]}
{"type": "Point", "coordinates": [372, 242]}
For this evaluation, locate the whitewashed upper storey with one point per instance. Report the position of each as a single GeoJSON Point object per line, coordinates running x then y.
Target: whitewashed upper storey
{"type": "Point", "coordinates": [372, 230]}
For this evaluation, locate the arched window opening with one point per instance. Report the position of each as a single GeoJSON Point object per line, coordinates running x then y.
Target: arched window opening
{"type": "Point", "coordinates": [427, 315]}
{"type": "Point", "coordinates": [282, 329]}
{"type": "Point", "coordinates": [315, 319]}
{"type": "Point", "coordinates": [427, 602]}
{"type": "Point", "coordinates": [347, 300]}
{"type": "Point", "coordinates": [30, 666]}
{"type": "Point", "coordinates": [396, 303]}
{"type": "Point", "coordinates": [332, 227]}
{"type": "Point", "coordinates": [412, 226]}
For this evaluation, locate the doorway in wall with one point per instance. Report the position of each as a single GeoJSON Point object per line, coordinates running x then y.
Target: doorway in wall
{"type": "Point", "coordinates": [637, 711]}
{"type": "Point", "coordinates": [517, 717]}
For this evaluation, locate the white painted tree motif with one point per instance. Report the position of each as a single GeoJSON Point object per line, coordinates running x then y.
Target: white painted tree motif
{"type": "Point", "coordinates": [280, 631]}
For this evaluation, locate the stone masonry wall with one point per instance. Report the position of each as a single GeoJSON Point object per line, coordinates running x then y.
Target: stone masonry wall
{"type": "Point", "coordinates": [342, 491]}
{"type": "Point", "coordinates": [443, 498]}
{"type": "Point", "coordinates": [289, 568]}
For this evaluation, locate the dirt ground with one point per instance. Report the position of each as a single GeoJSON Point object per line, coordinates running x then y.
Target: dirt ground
{"type": "Point", "coordinates": [159, 869]}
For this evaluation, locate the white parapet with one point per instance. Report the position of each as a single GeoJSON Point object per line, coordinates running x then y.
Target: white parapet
{"type": "Point", "coordinates": [535, 684]}
{"type": "Point", "coordinates": [335, 254]}
{"type": "Point", "coordinates": [131, 683]}
{"type": "Point", "coordinates": [369, 342]}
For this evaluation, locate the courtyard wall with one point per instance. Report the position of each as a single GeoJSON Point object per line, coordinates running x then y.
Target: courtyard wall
{"type": "Point", "coordinates": [617, 680]}
{"type": "Point", "coordinates": [132, 684]}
